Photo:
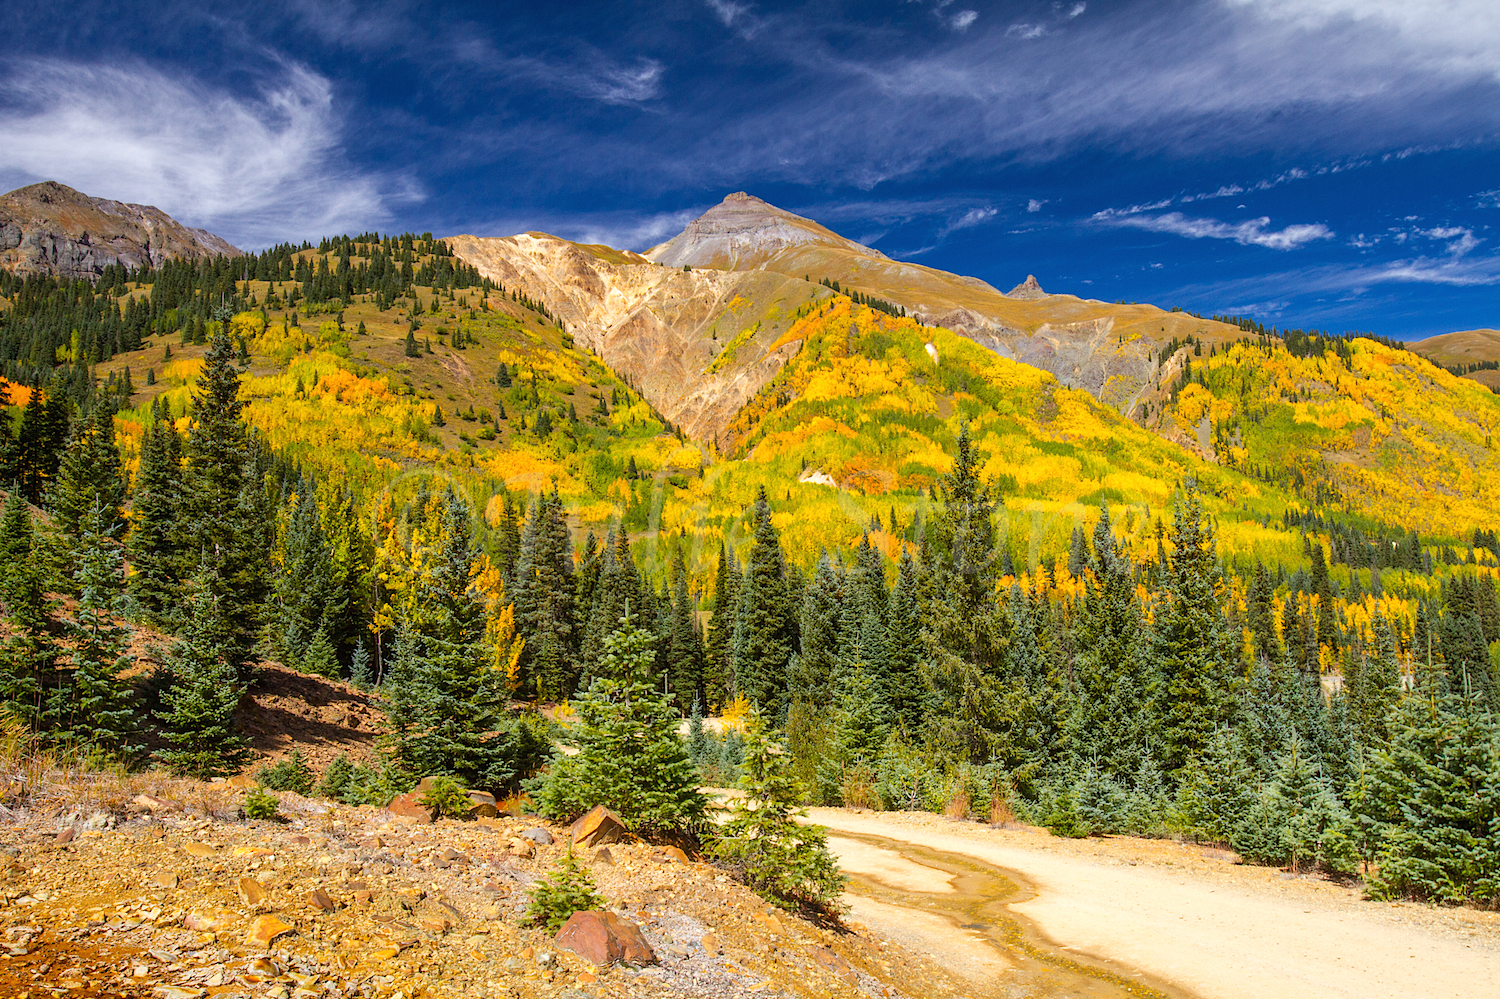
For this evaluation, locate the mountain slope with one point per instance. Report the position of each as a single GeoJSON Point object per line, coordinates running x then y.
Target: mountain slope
{"type": "Point", "coordinates": [1464, 350]}
{"type": "Point", "coordinates": [1106, 349]}
{"type": "Point", "coordinates": [51, 229]}
{"type": "Point", "coordinates": [1379, 431]}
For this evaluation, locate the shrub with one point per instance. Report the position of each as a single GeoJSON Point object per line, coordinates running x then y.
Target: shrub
{"type": "Point", "coordinates": [448, 798]}
{"type": "Point", "coordinates": [567, 888]}
{"type": "Point", "coordinates": [336, 777]}
{"type": "Point", "coordinates": [261, 804]}
{"type": "Point", "coordinates": [291, 774]}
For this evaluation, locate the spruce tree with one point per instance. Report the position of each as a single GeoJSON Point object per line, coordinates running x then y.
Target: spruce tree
{"type": "Point", "coordinates": [628, 754]}
{"type": "Point", "coordinates": [905, 685]}
{"type": "Point", "coordinates": [544, 595]}
{"type": "Point", "coordinates": [226, 506]}
{"type": "Point", "coordinates": [787, 862]}
{"type": "Point", "coordinates": [153, 545]}
{"type": "Point", "coordinates": [1103, 720]}
{"type": "Point", "coordinates": [812, 675]}
{"type": "Point", "coordinates": [198, 720]}
{"type": "Point", "coordinates": [684, 649]}
{"type": "Point", "coordinates": [959, 611]}
{"type": "Point", "coordinates": [361, 669]}
{"type": "Point", "coordinates": [1192, 653]}
{"type": "Point", "coordinates": [1434, 803]}
{"type": "Point", "coordinates": [105, 714]}
{"type": "Point", "coordinates": [89, 477]}
{"type": "Point", "coordinates": [764, 634]}
{"type": "Point", "coordinates": [306, 599]}
{"type": "Point", "coordinates": [718, 653]}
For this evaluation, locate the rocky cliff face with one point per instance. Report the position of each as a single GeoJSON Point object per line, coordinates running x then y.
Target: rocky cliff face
{"type": "Point", "coordinates": [51, 229]}
{"type": "Point", "coordinates": [660, 325]}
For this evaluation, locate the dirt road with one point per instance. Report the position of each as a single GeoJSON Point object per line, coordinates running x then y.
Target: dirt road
{"type": "Point", "coordinates": [1186, 920]}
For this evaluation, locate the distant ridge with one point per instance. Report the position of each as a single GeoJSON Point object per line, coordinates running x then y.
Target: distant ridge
{"type": "Point", "coordinates": [49, 228]}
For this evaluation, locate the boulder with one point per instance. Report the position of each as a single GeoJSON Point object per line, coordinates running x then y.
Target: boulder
{"type": "Point", "coordinates": [670, 855]}
{"type": "Point", "coordinates": [602, 938]}
{"type": "Point", "coordinates": [484, 804]}
{"type": "Point", "coordinates": [538, 835]}
{"type": "Point", "coordinates": [409, 809]}
{"type": "Point", "coordinates": [264, 930]}
{"type": "Point", "coordinates": [603, 856]}
{"type": "Point", "coordinates": [598, 827]}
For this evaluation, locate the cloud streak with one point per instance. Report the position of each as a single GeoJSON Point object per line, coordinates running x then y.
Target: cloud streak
{"type": "Point", "coordinates": [253, 168]}
{"type": "Point", "coordinates": [1253, 232]}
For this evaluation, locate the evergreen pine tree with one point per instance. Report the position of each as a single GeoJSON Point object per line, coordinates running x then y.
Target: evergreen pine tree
{"type": "Point", "coordinates": [764, 631]}
{"type": "Point", "coordinates": [1192, 653]}
{"type": "Point", "coordinates": [104, 709]}
{"type": "Point", "coordinates": [684, 649]}
{"type": "Point", "coordinates": [959, 610]}
{"type": "Point", "coordinates": [629, 756]}
{"type": "Point", "coordinates": [198, 720]}
{"type": "Point", "coordinates": [361, 671]}
{"type": "Point", "coordinates": [1103, 720]}
{"type": "Point", "coordinates": [784, 860]}
{"type": "Point", "coordinates": [153, 546]}
{"type": "Point", "coordinates": [1434, 803]}
{"type": "Point", "coordinates": [718, 654]}
{"type": "Point", "coordinates": [89, 476]}
{"type": "Point", "coordinates": [905, 686]}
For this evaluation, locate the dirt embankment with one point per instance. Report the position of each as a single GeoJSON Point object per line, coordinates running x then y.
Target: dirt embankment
{"type": "Point", "coordinates": [1185, 918]}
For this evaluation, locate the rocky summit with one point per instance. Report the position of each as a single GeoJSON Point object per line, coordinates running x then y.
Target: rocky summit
{"type": "Point", "coordinates": [51, 229]}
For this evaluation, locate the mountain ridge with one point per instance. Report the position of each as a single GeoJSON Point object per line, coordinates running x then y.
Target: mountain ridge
{"type": "Point", "coordinates": [49, 228]}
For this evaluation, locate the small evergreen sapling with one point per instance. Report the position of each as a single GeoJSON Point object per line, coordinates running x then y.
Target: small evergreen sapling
{"type": "Point", "coordinates": [291, 774]}
{"type": "Point", "coordinates": [785, 862]}
{"type": "Point", "coordinates": [567, 888]}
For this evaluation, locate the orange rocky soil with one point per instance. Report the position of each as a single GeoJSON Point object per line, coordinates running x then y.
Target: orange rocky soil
{"type": "Point", "coordinates": [171, 895]}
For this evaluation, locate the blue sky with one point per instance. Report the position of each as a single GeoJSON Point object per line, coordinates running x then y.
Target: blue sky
{"type": "Point", "coordinates": [1317, 163]}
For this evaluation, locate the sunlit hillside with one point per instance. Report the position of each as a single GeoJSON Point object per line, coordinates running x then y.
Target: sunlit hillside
{"type": "Point", "coordinates": [1358, 425]}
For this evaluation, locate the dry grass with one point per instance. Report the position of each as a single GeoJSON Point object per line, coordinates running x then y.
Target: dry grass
{"type": "Point", "coordinates": [40, 777]}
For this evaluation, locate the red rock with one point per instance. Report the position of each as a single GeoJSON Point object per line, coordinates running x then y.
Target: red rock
{"type": "Point", "coordinates": [318, 899]}
{"type": "Point", "coordinates": [670, 855]}
{"type": "Point", "coordinates": [66, 836]}
{"type": "Point", "coordinates": [602, 938]}
{"type": "Point", "coordinates": [598, 827]}
{"type": "Point", "coordinates": [151, 803]}
{"type": "Point", "coordinates": [831, 961]}
{"type": "Point", "coordinates": [408, 808]}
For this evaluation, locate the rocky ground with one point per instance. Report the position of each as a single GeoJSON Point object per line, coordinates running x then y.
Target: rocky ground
{"type": "Point", "coordinates": [148, 887]}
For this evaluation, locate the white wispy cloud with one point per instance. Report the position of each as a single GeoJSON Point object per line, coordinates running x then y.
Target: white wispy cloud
{"type": "Point", "coordinates": [961, 20]}
{"type": "Point", "coordinates": [969, 219]}
{"type": "Point", "coordinates": [1035, 204]}
{"type": "Point", "coordinates": [1461, 239]}
{"type": "Point", "coordinates": [254, 166]}
{"type": "Point", "coordinates": [1253, 232]}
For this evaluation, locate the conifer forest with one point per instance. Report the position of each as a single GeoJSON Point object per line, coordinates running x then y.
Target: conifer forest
{"type": "Point", "coordinates": [1326, 701]}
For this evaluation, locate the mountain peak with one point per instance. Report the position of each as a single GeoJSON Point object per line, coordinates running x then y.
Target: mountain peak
{"type": "Point", "coordinates": [1027, 289]}
{"type": "Point", "coordinates": [742, 232]}
{"type": "Point", "coordinates": [49, 228]}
